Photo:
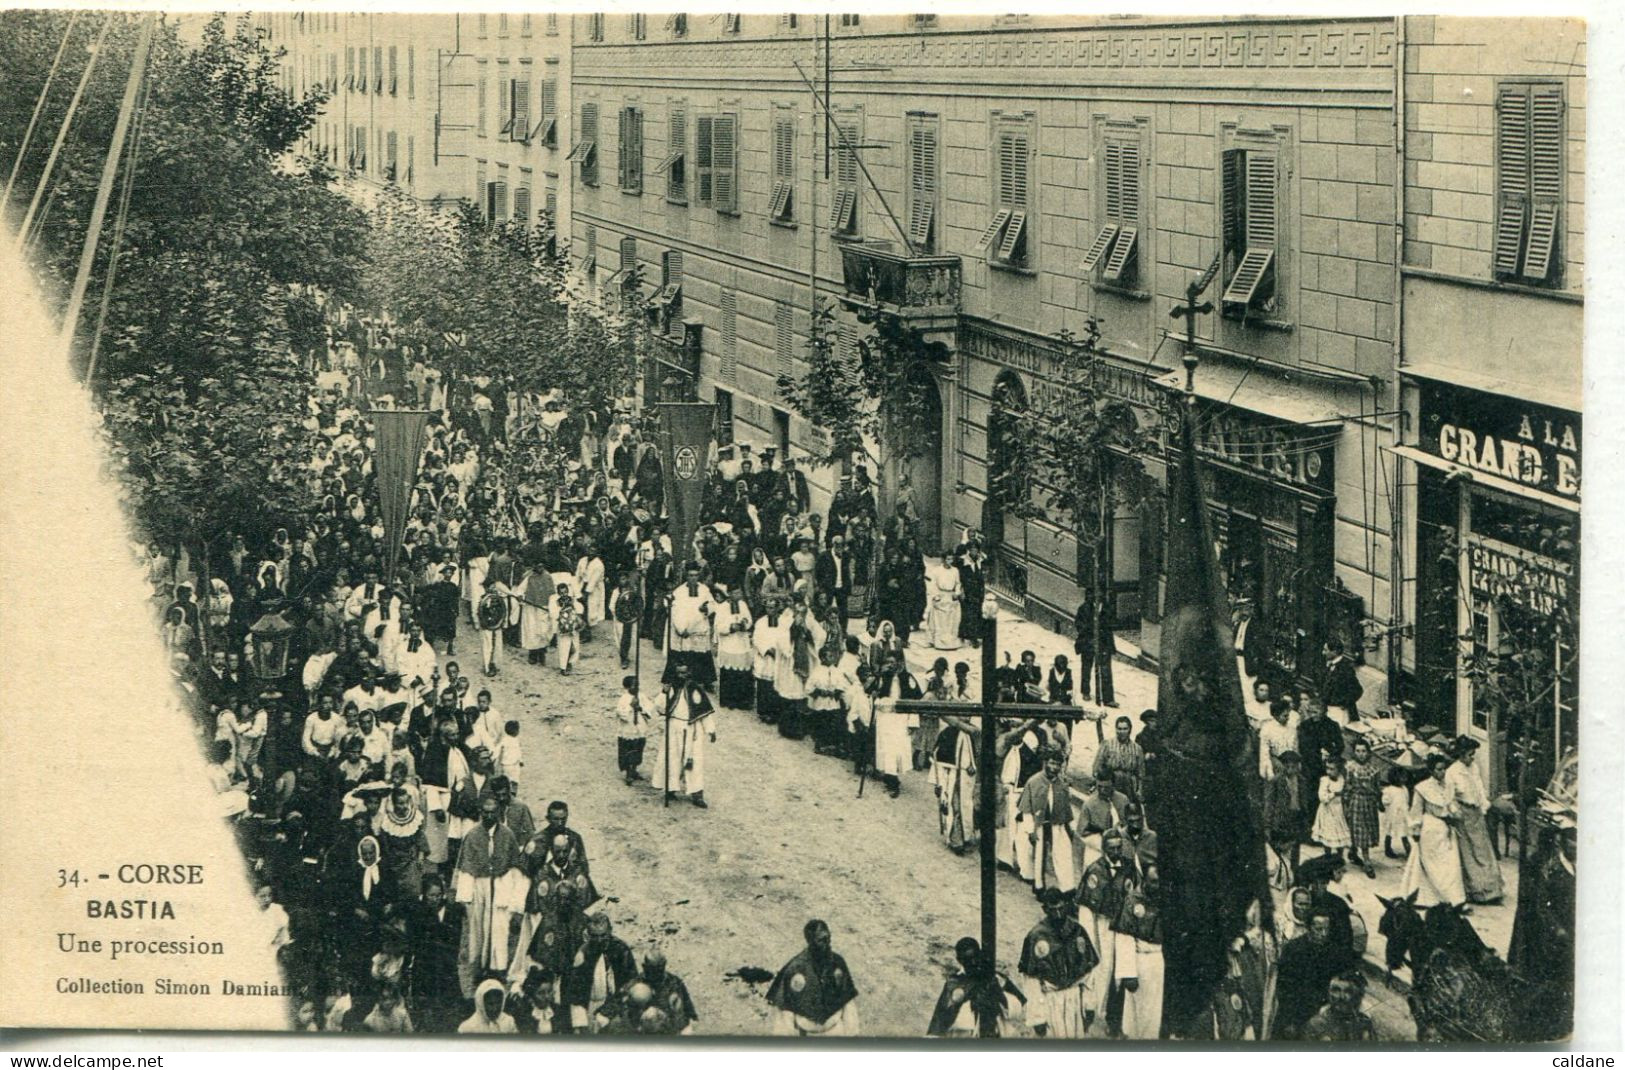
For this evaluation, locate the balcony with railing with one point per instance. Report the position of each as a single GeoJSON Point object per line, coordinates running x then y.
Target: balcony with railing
{"type": "Point", "coordinates": [883, 277]}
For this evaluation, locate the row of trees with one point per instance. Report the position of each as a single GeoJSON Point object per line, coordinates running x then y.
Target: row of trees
{"type": "Point", "coordinates": [203, 403]}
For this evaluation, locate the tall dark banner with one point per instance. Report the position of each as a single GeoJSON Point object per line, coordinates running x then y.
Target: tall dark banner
{"type": "Point", "coordinates": [686, 428]}
{"type": "Point", "coordinates": [1211, 858]}
{"type": "Point", "coordinates": [399, 433]}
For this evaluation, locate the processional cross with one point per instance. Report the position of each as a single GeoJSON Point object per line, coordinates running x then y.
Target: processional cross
{"type": "Point", "coordinates": [987, 779]}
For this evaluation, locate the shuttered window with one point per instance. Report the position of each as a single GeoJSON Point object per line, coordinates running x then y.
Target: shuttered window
{"type": "Point", "coordinates": [361, 70]}
{"type": "Point", "coordinates": [1005, 239]}
{"type": "Point", "coordinates": [1114, 247]}
{"type": "Point", "coordinates": [671, 277]}
{"type": "Point", "coordinates": [1250, 215]}
{"type": "Point", "coordinates": [595, 26]}
{"type": "Point", "coordinates": [549, 129]}
{"type": "Point", "coordinates": [394, 59]}
{"type": "Point", "coordinates": [586, 149]}
{"type": "Point", "coordinates": [702, 160]}
{"type": "Point", "coordinates": [496, 201]}
{"type": "Point", "coordinates": [676, 152]}
{"type": "Point", "coordinates": [521, 206]}
{"type": "Point", "coordinates": [390, 156]}
{"type": "Point", "coordinates": [922, 182]}
{"type": "Point", "coordinates": [784, 339]}
{"type": "Point", "coordinates": [1529, 151]}
{"type": "Point", "coordinates": [483, 88]}
{"type": "Point", "coordinates": [637, 26]}
{"type": "Point", "coordinates": [349, 68]}
{"type": "Point", "coordinates": [630, 162]}
{"type": "Point", "coordinates": [730, 337]}
{"type": "Point", "coordinates": [781, 209]}
{"type": "Point", "coordinates": [411, 73]}
{"type": "Point", "coordinates": [519, 107]}
{"type": "Point", "coordinates": [725, 163]}
{"type": "Point", "coordinates": [843, 208]}
{"type": "Point", "coordinates": [589, 262]}
{"type": "Point", "coordinates": [411, 157]}
{"type": "Point", "coordinates": [480, 186]}
{"type": "Point", "coordinates": [378, 69]}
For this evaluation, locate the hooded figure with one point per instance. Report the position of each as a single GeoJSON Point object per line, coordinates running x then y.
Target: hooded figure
{"type": "Point", "coordinates": [489, 1014]}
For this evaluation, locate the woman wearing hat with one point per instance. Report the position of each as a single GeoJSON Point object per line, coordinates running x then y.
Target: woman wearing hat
{"type": "Point", "coordinates": [1480, 870]}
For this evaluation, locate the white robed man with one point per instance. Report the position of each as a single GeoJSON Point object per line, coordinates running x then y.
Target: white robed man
{"type": "Point", "coordinates": [487, 856]}
{"type": "Point", "coordinates": [764, 658]}
{"type": "Point", "coordinates": [590, 588]}
{"type": "Point", "coordinates": [735, 657]}
{"type": "Point", "coordinates": [799, 640]}
{"type": "Point", "coordinates": [535, 621]}
{"type": "Point", "coordinates": [1058, 958]}
{"type": "Point", "coordinates": [688, 725]}
{"type": "Point", "coordinates": [891, 726]}
{"type": "Point", "coordinates": [565, 609]}
{"type": "Point", "coordinates": [691, 611]}
{"type": "Point", "coordinates": [953, 775]}
{"type": "Point", "coordinates": [1100, 901]}
{"type": "Point", "coordinates": [1138, 956]}
{"type": "Point", "coordinates": [1049, 821]}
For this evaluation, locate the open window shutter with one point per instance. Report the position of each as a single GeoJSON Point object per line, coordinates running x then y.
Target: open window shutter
{"type": "Point", "coordinates": [1128, 211]}
{"type": "Point", "coordinates": [1512, 159]}
{"type": "Point", "coordinates": [1114, 181]}
{"type": "Point", "coordinates": [723, 163]}
{"type": "Point", "coordinates": [676, 148]}
{"type": "Point", "coordinates": [411, 72]}
{"type": "Point", "coordinates": [730, 337]}
{"type": "Point", "coordinates": [988, 237]}
{"type": "Point", "coordinates": [394, 61]}
{"type": "Point", "coordinates": [622, 139]}
{"type": "Point", "coordinates": [922, 182]}
{"type": "Point", "coordinates": [1231, 205]}
{"type": "Point", "coordinates": [784, 338]}
{"type": "Point", "coordinates": [521, 206]}
{"type": "Point", "coordinates": [1259, 230]}
{"type": "Point", "coordinates": [521, 109]}
{"type": "Point", "coordinates": [702, 159]}
{"type": "Point", "coordinates": [634, 162]}
{"type": "Point", "coordinates": [589, 143]}
{"type": "Point", "coordinates": [1546, 144]}
{"type": "Point", "coordinates": [784, 141]}
{"type": "Point", "coordinates": [1013, 190]}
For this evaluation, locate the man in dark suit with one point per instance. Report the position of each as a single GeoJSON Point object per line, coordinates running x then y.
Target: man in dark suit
{"type": "Point", "coordinates": [795, 484]}
{"type": "Point", "coordinates": [833, 573]}
{"type": "Point", "coordinates": [973, 587]}
{"type": "Point", "coordinates": [1342, 687]}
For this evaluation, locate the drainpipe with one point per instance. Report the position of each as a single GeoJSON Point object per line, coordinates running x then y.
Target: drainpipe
{"type": "Point", "coordinates": [1397, 536]}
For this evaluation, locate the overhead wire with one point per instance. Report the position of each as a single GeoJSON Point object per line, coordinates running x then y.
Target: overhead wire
{"type": "Point", "coordinates": [121, 215]}
{"type": "Point", "coordinates": [62, 131]}
{"type": "Point", "coordinates": [39, 106]}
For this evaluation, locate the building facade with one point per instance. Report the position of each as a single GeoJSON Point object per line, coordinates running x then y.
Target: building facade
{"type": "Point", "coordinates": [399, 93]}
{"type": "Point", "coordinates": [997, 181]}
{"type": "Point", "coordinates": [1490, 378]}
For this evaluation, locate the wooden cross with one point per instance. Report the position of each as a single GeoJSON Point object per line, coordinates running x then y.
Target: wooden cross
{"type": "Point", "coordinates": [987, 780]}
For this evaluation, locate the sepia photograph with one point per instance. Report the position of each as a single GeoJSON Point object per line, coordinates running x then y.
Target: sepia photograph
{"type": "Point", "coordinates": [794, 525]}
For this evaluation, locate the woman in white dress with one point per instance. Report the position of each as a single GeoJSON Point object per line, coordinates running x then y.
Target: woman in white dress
{"type": "Point", "coordinates": [942, 615]}
{"type": "Point", "coordinates": [1433, 871]}
{"type": "Point", "coordinates": [1481, 869]}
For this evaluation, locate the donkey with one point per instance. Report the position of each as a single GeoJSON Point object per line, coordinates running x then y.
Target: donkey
{"type": "Point", "coordinates": [1460, 990]}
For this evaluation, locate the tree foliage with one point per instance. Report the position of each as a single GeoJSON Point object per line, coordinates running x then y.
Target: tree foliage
{"type": "Point", "coordinates": [202, 396]}
{"type": "Point", "coordinates": [1086, 449]}
{"type": "Point", "coordinates": [871, 395]}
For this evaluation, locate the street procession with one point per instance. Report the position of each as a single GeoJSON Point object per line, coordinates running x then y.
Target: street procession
{"type": "Point", "coordinates": [773, 587]}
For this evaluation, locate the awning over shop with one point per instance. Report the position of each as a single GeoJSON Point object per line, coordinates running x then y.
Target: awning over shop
{"type": "Point", "coordinates": [1553, 392]}
{"type": "Point", "coordinates": [1505, 486]}
{"type": "Point", "coordinates": [1265, 392]}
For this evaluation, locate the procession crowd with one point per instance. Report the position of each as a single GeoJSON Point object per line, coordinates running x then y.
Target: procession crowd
{"type": "Point", "coordinates": [374, 784]}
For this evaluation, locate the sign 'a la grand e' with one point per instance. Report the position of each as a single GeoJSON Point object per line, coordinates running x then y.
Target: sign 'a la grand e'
{"type": "Point", "coordinates": [1533, 445]}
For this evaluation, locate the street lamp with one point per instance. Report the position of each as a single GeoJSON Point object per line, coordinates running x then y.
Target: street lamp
{"type": "Point", "coordinates": [269, 637]}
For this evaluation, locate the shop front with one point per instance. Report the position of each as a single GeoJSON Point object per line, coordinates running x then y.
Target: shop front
{"type": "Point", "coordinates": [1497, 545]}
{"type": "Point", "coordinates": [1271, 499]}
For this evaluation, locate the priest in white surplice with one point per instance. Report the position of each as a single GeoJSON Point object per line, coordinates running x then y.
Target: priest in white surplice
{"type": "Point", "coordinates": [691, 612]}
{"type": "Point", "coordinates": [687, 725]}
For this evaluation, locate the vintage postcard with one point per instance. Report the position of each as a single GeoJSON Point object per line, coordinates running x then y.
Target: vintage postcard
{"type": "Point", "coordinates": [793, 524]}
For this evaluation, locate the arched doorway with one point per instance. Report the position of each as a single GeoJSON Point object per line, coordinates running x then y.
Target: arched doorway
{"type": "Point", "coordinates": [923, 469]}
{"type": "Point", "coordinates": [1008, 473]}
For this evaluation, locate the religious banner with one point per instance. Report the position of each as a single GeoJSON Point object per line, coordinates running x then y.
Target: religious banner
{"type": "Point", "coordinates": [1211, 857]}
{"type": "Point", "coordinates": [686, 430]}
{"type": "Point", "coordinates": [399, 434]}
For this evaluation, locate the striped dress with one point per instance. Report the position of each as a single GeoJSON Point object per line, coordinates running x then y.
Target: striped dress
{"type": "Point", "coordinates": [1362, 797]}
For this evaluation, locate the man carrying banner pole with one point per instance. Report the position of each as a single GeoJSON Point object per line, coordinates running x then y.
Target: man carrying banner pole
{"type": "Point", "coordinates": [1211, 855]}
{"type": "Point", "coordinates": [686, 429]}
{"type": "Point", "coordinates": [399, 434]}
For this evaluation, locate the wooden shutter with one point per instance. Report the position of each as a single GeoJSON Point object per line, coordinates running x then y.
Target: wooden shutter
{"type": "Point", "coordinates": [588, 148]}
{"type": "Point", "coordinates": [622, 139]}
{"type": "Point", "coordinates": [1001, 219]}
{"type": "Point", "coordinates": [591, 259]}
{"type": "Point", "coordinates": [784, 154]}
{"type": "Point", "coordinates": [730, 337]}
{"type": "Point", "coordinates": [634, 150]}
{"type": "Point", "coordinates": [378, 69]}
{"type": "Point", "coordinates": [391, 153]}
{"type": "Point", "coordinates": [411, 72]}
{"type": "Point", "coordinates": [499, 196]}
{"type": "Point", "coordinates": [1119, 263]}
{"type": "Point", "coordinates": [784, 338]}
{"type": "Point", "coordinates": [1513, 162]}
{"type": "Point", "coordinates": [394, 59]}
{"type": "Point", "coordinates": [676, 149]}
{"type": "Point", "coordinates": [629, 254]}
{"type": "Point", "coordinates": [1232, 202]}
{"type": "Point", "coordinates": [922, 158]}
{"type": "Point", "coordinates": [1013, 190]}
{"type": "Point", "coordinates": [702, 159]}
{"type": "Point", "coordinates": [521, 109]}
{"type": "Point", "coordinates": [724, 164]}
{"type": "Point", "coordinates": [349, 68]}
{"type": "Point", "coordinates": [550, 111]}
{"type": "Point", "coordinates": [411, 157]}
{"type": "Point", "coordinates": [483, 87]}
{"type": "Point", "coordinates": [844, 207]}
{"type": "Point", "coordinates": [1259, 228]}
{"type": "Point", "coordinates": [1546, 144]}
{"type": "Point", "coordinates": [1114, 181]}
{"type": "Point", "coordinates": [361, 70]}
{"type": "Point", "coordinates": [521, 206]}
